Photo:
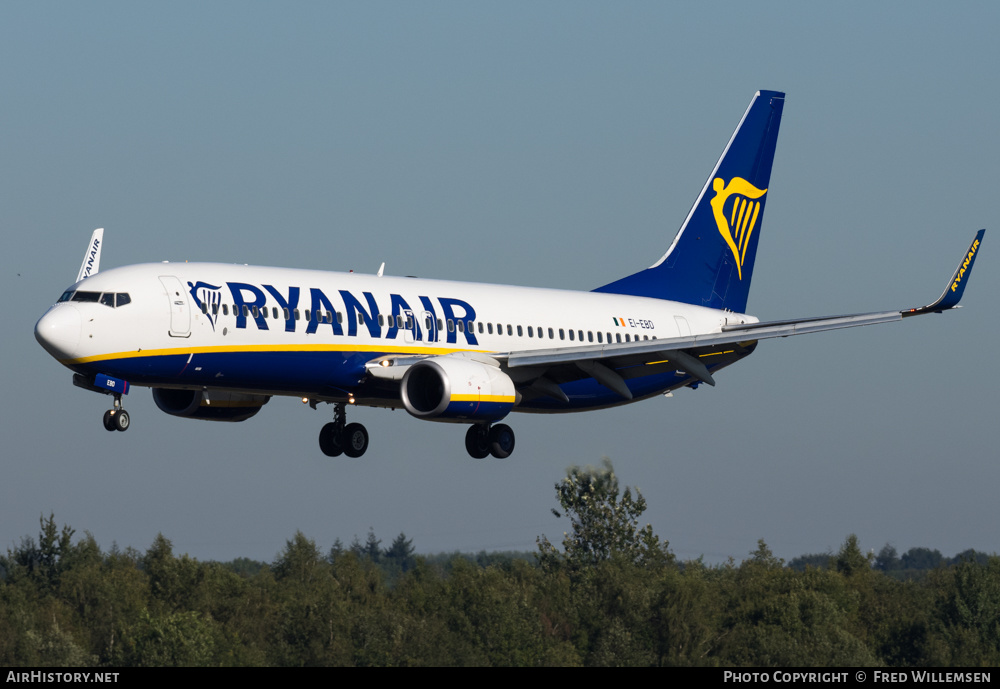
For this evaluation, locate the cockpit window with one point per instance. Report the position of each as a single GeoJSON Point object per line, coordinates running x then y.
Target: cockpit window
{"type": "Point", "coordinates": [112, 299]}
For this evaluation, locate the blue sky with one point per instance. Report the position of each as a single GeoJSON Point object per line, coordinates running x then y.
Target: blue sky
{"type": "Point", "coordinates": [549, 144]}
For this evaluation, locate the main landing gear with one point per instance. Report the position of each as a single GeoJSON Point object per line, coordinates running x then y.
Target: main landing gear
{"type": "Point", "coordinates": [482, 439]}
{"type": "Point", "coordinates": [116, 419]}
{"type": "Point", "coordinates": [338, 438]}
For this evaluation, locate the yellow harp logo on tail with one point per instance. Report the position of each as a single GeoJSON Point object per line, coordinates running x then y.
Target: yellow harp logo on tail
{"type": "Point", "coordinates": [738, 219]}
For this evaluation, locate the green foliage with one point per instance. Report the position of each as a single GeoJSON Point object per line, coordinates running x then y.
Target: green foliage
{"type": "Point", "coordinates": [814, 560]}
{"type": "Point", "coordinates": [615, 597]}
{"type": "Point", "coordinates": [887, 560]}
{"type": "Point", "coordinates": [850, 560]}
{"type": "Point", "coordinates": [921, 559]}
{"type": "Point", "coordinates": [604, 523]}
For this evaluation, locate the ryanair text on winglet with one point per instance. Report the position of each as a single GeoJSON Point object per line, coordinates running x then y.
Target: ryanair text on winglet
{"type": "Point", "coordinates": [965, 265]}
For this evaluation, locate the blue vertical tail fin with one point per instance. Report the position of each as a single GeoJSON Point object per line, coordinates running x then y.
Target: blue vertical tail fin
{"type": "Point", "coordinates": [710, 261]}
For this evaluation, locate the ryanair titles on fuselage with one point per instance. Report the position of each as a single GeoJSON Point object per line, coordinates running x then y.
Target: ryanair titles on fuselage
{"type": "Point", "coordinates": [249, 301]}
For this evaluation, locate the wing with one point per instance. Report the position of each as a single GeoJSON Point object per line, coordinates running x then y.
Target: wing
{"type": "Point", "coordinates": [540, 371]}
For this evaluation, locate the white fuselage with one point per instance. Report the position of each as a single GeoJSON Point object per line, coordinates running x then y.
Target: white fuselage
{"type": "Point", "coordinates": [309, 333]}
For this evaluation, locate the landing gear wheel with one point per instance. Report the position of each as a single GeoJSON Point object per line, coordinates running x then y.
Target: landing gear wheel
{"type": "Point", "coordinates": [109, 420]}
{"type": "Point", "coordinates": [330, 440]}
{"type": "Point", "coordinates": [477, 442]}
{"type": "Point", "coordinates": [120, 420]}
{"type": "Point", "coordinates": [354, 440]}
{"type": "Point", "coordinates": [501, 441]}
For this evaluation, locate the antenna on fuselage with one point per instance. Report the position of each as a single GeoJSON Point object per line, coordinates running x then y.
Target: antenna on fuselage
{"type": "Point", "coordinates": [92, 257]}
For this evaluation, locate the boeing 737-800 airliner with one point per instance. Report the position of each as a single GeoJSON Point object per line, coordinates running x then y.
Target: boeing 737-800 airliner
{"type": "Point", "coordinates": [217, 341]}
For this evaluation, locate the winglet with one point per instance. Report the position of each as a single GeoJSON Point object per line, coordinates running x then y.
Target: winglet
{"type": "Point", "coordinates": [92, 259]}
{"type": "Point", "coordinates": [956, 286]}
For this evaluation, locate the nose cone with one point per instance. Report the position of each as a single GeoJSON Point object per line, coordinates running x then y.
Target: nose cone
{"type": "Point", "coordinates": [59, 331]}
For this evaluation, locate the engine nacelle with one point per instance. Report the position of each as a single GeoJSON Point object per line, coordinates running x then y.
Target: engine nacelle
{"type": "Point", "coordinates": [454, 389]}
{"type": "Point", "coordinates": [208, 406]}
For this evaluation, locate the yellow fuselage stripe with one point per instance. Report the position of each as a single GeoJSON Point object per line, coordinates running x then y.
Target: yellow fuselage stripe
{"type": "Point", "coordinates": [180, 351]}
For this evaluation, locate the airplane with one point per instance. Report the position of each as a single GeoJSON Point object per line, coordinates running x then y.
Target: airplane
{"type": "Point", "coordinates": [215, 341]}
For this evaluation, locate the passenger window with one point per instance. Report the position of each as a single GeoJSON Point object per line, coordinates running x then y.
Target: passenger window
{"type": "Point", "coordinates": [308, 314]}
{"type": "Point", "coordinates": [440, 324]}
{"type": "Point", "coordinates": [215, 309]}
{"type": "Point", "coordinates": [562, 335]}
{"type": "Point", "coordinates": [618, 337]}
{"type": "Point", "coordinates": [246, 310]}
{"type": "Point", "coordinates": [361, 319]}
{"type": "Point", "coordinates": [461, 326]}
{"type": "Point", "coordinates": [225, 309]}
{"type": "Point", "coordinates": [381, 320]}
{"type": "Point", "coordinates": [340, 317]}
{"type": "Point", "coordinates": [296, 314]}
{"type": "Point", "coordinates": [489, 326]}
{"type": "Point", "coordinates": [552, 334]}
{"type": "Point", "coordinates": [451, 326]}
{"type": "Point", "coordinates": [399, 321]}
{"type": "Point", "coordinates": [274, 312]}
{"type": "Point", "coordinates": [510, 329]}
{"type": "Point", "coordinates": [600, 337]}
{"type": "Point", "coordinates": [284, 312]}
{"type": "Point", "coordinates": [429, 324]}
{"type": "Point", "coordinates": [204, 305]}
{"type": "Point", "coordinates": [520, 333]}
{"type": "Point", "coordinates": [263, 312]}
{"type": "Point", "coordinates": [571, 337]}
{"type": "Point", "coordinates": [627, 339]}
{"type": "Point", "coordinates": [580, 334]}
{"type": "Point", "coordinates": [590, 336]}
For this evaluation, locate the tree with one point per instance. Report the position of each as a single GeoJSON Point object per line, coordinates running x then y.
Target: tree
{"type": "Point", "coordinates": [300, 560]}
{"type": "Point", "coordinates": [400, 553]}
{"type": "Point", "coordinates": [850, 559]}
{"type": "Point", "coordinates": [921, 558]}
{"type": "Point", "coordinates": [605, 522]}
{"type": "Point", "coordinates": [372, 550]}
{"type": "Point", "coordinates": [887, 559]}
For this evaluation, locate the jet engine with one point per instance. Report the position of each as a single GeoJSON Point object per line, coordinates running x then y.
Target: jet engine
{"type": "Point", "coordinates": [208, 406]}
{"type": "Point", "coordinates": [449, 388]}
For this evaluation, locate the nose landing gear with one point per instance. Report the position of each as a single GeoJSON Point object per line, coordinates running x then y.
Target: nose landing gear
{"type": "Point", "coordinates": [116, 419]}
{"type": "Point", "coordinates": [338, 438]}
